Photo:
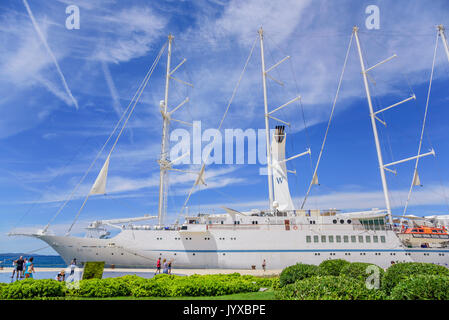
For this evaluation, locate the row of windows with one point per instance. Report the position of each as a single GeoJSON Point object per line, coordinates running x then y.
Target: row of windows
{"type": "Point", "coordinates": [206, 238]}
{"type": "Point", "coordinates": [332, 254]}
{"type": "Point", "coordinates": [354, 239]}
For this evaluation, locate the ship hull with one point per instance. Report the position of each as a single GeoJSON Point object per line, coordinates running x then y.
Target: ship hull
{"type": "Point", "coordinates": [231, 248]}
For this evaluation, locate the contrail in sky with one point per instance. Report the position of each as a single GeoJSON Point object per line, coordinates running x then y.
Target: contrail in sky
{"type": "Point", "coordinates": [44, 41]}
{"type": "Point", "coordinates": [113, 90]}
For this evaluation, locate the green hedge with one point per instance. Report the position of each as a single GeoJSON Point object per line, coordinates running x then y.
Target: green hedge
{"type": "Point", "coordinates": [296, 272]}
{"type": "Point", "coordinates": [160, 286]}
{"type": "Point", "coordinates": [210, 285]}
{"type": "Point", "coordinates": [402, 271]}
{"type": "Point", "coordinates": [93, 270]}
{"type": "Point", "coordinates": [332, 267]}
{"type": "Point", "coordinates": [422, 287]}
{"type": "Point", "coordinates": [30, 289]}
{"type": "Point", "coordinates": [328, 288]}
{"type": "Point", "coordinates": [361, 271]}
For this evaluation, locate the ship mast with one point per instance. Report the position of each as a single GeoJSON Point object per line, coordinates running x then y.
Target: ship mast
{"type": "Point", "coordinates": [373, 115]}
{"type": "Point", "coordinates": [374, 125]}
{"type": "Point", "coordinates": [163, 162]}
{"type": "Point", "coordinates": [443, 37]}
{"type": "Point", "coordinates": [267, 126]}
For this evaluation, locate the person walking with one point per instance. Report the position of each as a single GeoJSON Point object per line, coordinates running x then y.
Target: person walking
{"type": "Point", "coordinates": [14, 270]}
{"type": "Point", "coordinates": [158, 266]}
{"type": "Point", "coordinates": [165, 266]}
{"type": "Point", "coordinates": [19, 266]}
{"type": "Point", "coordinates": [72, 267]}
{"type": "Point", "coordinates": [169, 266]}
{"type": "Point", "coordinates": [264, 264]}
{"type": "Point", "coordinates": [29, 268]}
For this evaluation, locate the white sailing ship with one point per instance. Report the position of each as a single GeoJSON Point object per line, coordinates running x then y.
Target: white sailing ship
{"type": "Point", "coordinates": [281, 235]}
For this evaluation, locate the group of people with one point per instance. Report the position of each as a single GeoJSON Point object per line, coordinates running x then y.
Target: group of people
{"type": "Point", "coordinates": [166, 264]}
{"type": "Point", "coordinates": [23, 268]}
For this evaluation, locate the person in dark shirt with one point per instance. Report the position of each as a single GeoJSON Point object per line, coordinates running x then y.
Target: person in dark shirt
{"type": "Point", "coordinates": [20, 262]}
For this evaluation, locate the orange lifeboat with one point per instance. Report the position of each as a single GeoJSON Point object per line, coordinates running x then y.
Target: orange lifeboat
{"type": "Point", "coordinates": [426, 231]}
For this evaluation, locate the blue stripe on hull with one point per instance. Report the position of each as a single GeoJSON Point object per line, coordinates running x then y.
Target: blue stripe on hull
{"type": "Point", "coordinates": [310, 250]}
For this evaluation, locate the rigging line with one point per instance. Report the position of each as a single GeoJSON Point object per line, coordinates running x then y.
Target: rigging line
{"type": "Point", "coordinates": [189, 77]}
{"type": "Point", "coordinates": [223, 118]}
{"type": "Point", "coordinates": [400, 70]}
{"type": "Point", "coordinates": [97, 156]}
{"type": "Point", "coordinates": [135, 99]}
{"type": "Point", "coordinates": [306, 131]}
{"type": "Point", "coordinates": [330, 120]}
{"type": "Point", "coordinates": [29, 252]}
{"type": "Point", "coordinates": [83, 144]}
{"type": "Point", "coordinates": [238, 84]}
{"type": "Point", "coordinates": [415, 171]}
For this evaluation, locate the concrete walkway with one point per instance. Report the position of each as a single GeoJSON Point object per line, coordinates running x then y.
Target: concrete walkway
{"type": "Point", "coordinates": [187, 272]}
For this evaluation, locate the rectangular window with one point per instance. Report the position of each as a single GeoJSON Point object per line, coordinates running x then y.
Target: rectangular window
{"type": "Point", "coordinates": [375, 239]}
{"type": "Point", "coordinates": [361, 239]}
{"type": "Point", "coordinates": [338, 238]}
{"type": "Point", "coordinates": [323, 238]}
{"type": "Point", "coordinates": [368, 239]}
{"type": "Point", "coordinates": [308, 239]}
{"type": "Point", "coordinates": [345, 238]}
{"type": "Point", "coordinates": [331, 239]}
{"type": "Point", "coordinates": [382, 239]}
{"type": "Point", "coordinates": [353, 238]}
{"type": "Point", "coordinates": [315, 238]}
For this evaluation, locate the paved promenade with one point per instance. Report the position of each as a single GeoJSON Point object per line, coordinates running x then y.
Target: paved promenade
{"type": "Point", "coordinates": [174, 270]}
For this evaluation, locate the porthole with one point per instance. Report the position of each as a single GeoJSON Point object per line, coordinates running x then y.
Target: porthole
{"type": "Point", "coordinates": [349, 221]}
{"type": "Point", "coordinates": [334, 221]}
{"type": "Point", "coordinates": [342, 221]}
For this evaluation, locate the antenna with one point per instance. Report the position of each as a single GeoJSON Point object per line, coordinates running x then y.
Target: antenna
{"type": "Point", "coordinates": [373, 115]}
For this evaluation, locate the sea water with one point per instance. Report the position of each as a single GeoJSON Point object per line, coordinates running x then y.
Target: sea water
{"type": "Point", "coordinates": [42, 261]}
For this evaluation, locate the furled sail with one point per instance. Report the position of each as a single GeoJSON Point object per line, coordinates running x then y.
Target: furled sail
{"type": "Point", "coordinates": [99, 186]}
{"type": "Point", "coordinates": [416, 181]}
{"type": "Point", "coordinates": [315, 179]}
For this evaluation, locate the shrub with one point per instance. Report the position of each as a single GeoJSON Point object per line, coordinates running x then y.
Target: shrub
{"type": "Point", "coordinates": [150, 288]}
{"type": "Point", "coordinates": [402, 271]}
{"type": "Point", "coordinates": [422, 287]}
{"type": "Point", "coordinates": [102, 288]}
{"type": "Point", "coordinates": [30, 288]}
{"type": "Point", "coordinates": [296, 272]}
{"type": "Point", "coordinates": [93, 270]}
{"type": "Point", "coordinates": [358, 270]}
{"type": "Point", "coordinates": [328, 288]}
{"type": "Point", "coordinates": [195, 285]}
{"type": "Point", "coordinates": [332, 267]}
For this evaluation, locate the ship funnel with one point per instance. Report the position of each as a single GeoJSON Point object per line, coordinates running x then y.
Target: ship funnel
{"type": "Point", "coordinates": [281, 191]}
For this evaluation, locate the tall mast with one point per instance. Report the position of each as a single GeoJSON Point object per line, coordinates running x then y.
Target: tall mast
{"type": "Point", "coordinates": [163, 162]}
{"type": "Point", "coordinates": [443, 37]}
{"type": "Point", "coordinates": [267, 126]}
{"type": "Point", "coordinates": [374, 125]}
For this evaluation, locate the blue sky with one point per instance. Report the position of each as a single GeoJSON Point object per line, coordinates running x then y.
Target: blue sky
{"type": "Point", "coordinates": [62, 93]}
